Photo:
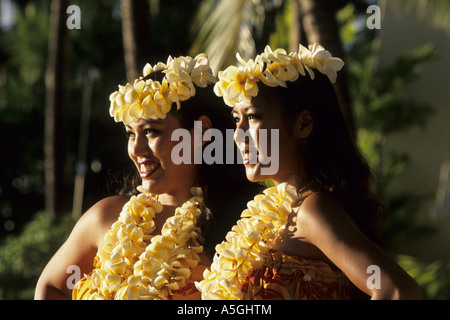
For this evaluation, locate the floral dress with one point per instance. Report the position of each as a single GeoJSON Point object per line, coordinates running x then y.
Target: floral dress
{"type": "Point", "coordinates": [285, 277]}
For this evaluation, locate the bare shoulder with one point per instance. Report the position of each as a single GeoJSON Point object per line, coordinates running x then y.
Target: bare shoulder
{"type": "Point", "coordinates": [326, 224]}
{"type": "Point", "coordinates": [105, 212]}
{"type": "Point", "coordinates": [108, 209]}
{"type": "Point", "coordinates": [319, 206]}
{"type": "Point", "coordinates": [321, 212]}
{"type": "Point", "coordinates": [99, 218]}
{"type": "Point", "coordinates": [80, 247]}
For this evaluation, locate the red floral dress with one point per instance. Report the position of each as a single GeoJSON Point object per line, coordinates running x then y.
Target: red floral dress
{"type": "Point", "coordinates": [285, 277]}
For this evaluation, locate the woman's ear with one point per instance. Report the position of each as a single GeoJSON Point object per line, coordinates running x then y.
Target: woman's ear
{"type": "Point", "coordinates": [206, 124]}
{"type": "Point", "coordinates": [304, 124]}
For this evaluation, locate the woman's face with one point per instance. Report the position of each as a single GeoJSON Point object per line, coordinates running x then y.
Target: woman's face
{"type": "Point", "coordinates": [260, 115]}
{"type": "Point", "coordinates": [150, 147]}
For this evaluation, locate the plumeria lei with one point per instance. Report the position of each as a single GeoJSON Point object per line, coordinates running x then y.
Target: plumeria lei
{"type": "Point", "coordinates": [273, 68]}
{"type": "Point", "coordinates": [133, 264]}
{"type": "Point", "coordinates": [247, 244]}
{"type": "Point", "coordinates": [150, 99]}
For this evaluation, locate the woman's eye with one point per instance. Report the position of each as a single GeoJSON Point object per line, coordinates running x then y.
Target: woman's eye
{"type": "Point", "coordinates": [252, 116]}
{"type": "Point", "coordinates": [129, 134]}
{"type": "Point", "coordinates": [235, 119]}
{"type": "Point", "coordinates": [150, 131]}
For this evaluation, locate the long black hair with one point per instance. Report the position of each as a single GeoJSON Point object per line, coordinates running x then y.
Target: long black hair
{"type": "Point", "coordinates": [330, 157]}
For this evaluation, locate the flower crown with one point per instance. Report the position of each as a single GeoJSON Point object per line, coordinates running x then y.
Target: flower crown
{"type": "Point", "coordinates": [150, 99]}
{"type": "Point", "coordinates": [273, 68]}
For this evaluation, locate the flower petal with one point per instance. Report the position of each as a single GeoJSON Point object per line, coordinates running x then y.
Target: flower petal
{"type": "Point", "coordinates": [234, 89]}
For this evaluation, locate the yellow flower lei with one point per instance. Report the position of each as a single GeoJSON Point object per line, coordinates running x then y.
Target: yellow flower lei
{"type": "Point", "coordinates": [273, 68]}
{"type": "Point", "coordinates": [150, 99]}
{"type": "Point", "coordinates": [247, 244]}
{"type": "Point", "coordinates": [133, 264]}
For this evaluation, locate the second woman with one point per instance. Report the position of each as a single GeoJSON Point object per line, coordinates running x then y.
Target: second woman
{"type": "Point", "coordinates": [314, 234]}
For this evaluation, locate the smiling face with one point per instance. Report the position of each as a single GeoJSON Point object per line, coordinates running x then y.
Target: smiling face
{"type": "Point", "coordinates": [256, 116]}
{"type": "Point", "coordinates": [150, 147]}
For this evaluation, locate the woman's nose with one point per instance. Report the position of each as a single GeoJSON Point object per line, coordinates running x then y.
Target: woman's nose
{"type": "Point", "coordinates": [241, 128]}
{"type": "Point", "coordinates": [242, 124]}
{"type": "Point", "coordinates": [139, 146]}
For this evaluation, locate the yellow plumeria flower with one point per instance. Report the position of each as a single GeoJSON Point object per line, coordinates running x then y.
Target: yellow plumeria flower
{"type": "Point", "coordinates": [279, 67]}
{"type": "Point", "coordinates": [247, 244]}
{"type": "Point", "coordinates": [149, 69]}
{"type": "Point", "coordinates": [239, 83]}
{"type": "Point", "coordinates": [133, 264]}
{"type": "Point", "coordinates": [325, 63]}
{"type": "Point", "coordinates": [273, 68]}
{"type": "Point", "coordinates": [149, 99]}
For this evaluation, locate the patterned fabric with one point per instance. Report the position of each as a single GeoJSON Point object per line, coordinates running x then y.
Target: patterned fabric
{"type": "Point", "coordinates": [188, 292]}
{"type": "Point", "coordinates": [285, 277]}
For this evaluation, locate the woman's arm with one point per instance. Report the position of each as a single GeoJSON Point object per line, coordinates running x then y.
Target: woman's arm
{"type": "Point", "coordinates": [325, 224]}
{"type": "Point", "coordinates": [75, 257]}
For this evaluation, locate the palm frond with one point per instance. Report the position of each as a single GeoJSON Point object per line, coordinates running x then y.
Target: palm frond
{"type": "Point", "coordinates": [437, 12]}
{"type": "Point", "coordinates": [222, 28]}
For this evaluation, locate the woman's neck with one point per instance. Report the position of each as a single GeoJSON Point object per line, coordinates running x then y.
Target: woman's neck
{"type": "Point", "coordinates": [174, 199]}
{"type": "Point", "coordinates": [297, 180]}
{"type": "Point", "coordinates": [298, 177]}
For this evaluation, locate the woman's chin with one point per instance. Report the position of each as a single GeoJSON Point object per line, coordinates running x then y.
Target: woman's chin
{"type": "Point", "coordinates": [253, 173]}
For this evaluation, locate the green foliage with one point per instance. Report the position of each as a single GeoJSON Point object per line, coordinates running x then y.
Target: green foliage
{"type": "Point", "coordinates": [380, 102]}
{"type": "Point", "coordinates": [22, 97]}
{"type": "Point", "coordinates": [23, 257]}
{"type": "Point", "coordinates": [382, 106]}
{"type": "Point", "coordinates": [381, 109]}
{"type": "Point", "coordinates": [402, 219]}
{"type": "Point", "coordinates": [346, 20]}
{"type": "Point", "coordinates": [27, 51]}
{"type": "Point", "coordinates": [279, 38]}
{"type": "Point", "coordinates": [433, 278]}
{"type": "Point", "coordinates": [23, 61]}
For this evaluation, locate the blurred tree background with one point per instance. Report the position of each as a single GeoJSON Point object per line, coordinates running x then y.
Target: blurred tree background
{"type": "Point", "coordinates": [62, 153]}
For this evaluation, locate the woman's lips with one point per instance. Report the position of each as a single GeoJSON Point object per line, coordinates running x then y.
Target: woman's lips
{"type": "Point", "coordinates": [247, 159]}
{"type": "Point", "coordinates": [146, 169]}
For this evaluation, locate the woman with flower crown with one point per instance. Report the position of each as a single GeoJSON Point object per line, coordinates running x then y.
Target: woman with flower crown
{"type": "Point", "coordinates": [314, 234]}
{"type": "Point", "coordinates": [149, 246]}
